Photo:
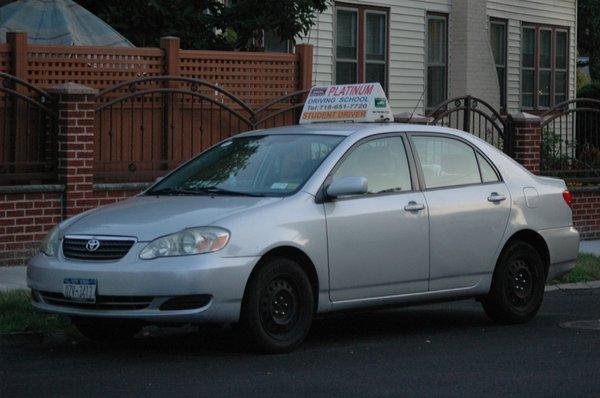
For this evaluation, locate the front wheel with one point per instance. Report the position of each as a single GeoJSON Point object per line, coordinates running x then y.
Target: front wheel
{"type": "Point", "coordinates": [517, 285]}
{"type": "Point", "coordinates": [278, 306]}
{"type": "Point", "coordinates": [106, 330]}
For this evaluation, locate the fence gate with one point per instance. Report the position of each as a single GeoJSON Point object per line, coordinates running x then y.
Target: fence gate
{"type": "Point", "coordinates": [147, 126]}
{"type": "Point", "coordinates": [27, 133]}
{"type": "Point", "coordinates": [571, 141]}
{"type": "Point", "coordinates": [474, 116]}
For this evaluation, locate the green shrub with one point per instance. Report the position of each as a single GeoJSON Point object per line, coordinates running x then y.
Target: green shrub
{"type": "Point", "coordinates": [592, 91]}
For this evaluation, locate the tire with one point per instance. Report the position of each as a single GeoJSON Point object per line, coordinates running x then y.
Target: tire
{"type": "Point", "coordinates": [278, 307]}
{"type": "Point", "coordinates": [107, 330]}
{"type": "Point", "coordinates": [517, 286]}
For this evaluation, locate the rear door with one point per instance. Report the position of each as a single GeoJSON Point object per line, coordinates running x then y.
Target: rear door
{"type": "Point", "coordinates": [378, 242]}
{"type": "Point", "coordinates": [469, 206]}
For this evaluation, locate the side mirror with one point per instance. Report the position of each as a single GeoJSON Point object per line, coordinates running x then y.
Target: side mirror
{"type": "Point", "coordinates": [347, 186]}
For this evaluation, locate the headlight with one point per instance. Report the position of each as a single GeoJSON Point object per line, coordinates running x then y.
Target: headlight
{"type": "Point", "coordinates": [187, 242]}
{"type": "Point", "coordinates": [49, 245]}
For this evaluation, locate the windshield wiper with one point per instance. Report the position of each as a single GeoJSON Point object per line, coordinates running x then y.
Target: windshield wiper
{"type": "Point", "coordinates": [174, 191]}
{"type": "Point", "coordinates": [202, 191]}
{"type": "Point", "coordinates": [221, 191]}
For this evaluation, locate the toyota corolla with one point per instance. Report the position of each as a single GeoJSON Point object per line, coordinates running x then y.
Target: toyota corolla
{"type": "Point", "coordinates": [271, 228]}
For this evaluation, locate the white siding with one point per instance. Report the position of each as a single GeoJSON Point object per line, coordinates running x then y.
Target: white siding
{"type": "Point", "coordinates": [407, 43]}
{"type": "Point", "coordinates": [549, 12]}
{"type": "Point", "coordinates": [406, 49]}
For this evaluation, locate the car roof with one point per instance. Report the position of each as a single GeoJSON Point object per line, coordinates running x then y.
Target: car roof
{"type": "Point", "coordinates": [348, 129]}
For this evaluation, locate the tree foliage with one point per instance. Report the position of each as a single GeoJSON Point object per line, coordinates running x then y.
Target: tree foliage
{"type": "Point", "coordinates": [208, 24]}
{"type": "Point", "coordinates": [589, 33]}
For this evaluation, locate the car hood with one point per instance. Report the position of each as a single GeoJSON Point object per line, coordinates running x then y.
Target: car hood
{"type": "Point", "coordinates": [148, 217]}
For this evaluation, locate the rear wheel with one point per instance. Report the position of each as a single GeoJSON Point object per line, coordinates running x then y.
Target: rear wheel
{"type": "Point", "coordinates": [106, 330]}
{"type": "Point", "coordinates": [278, 306]}
{"type": "Point", "coordinates": [517, 286]}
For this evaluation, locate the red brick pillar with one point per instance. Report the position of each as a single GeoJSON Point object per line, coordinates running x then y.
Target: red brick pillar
{"type": "Point", "coordinates": [75, 106]}
{"type": "Point", "coordinates": [527, 140]}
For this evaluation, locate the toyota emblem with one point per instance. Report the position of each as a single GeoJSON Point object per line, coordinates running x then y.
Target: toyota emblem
{"type": "Point", "coordinates": [92, 245]}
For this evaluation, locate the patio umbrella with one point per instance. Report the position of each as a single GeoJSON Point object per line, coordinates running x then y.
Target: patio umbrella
{"type": "Point", "coordinates": [58, 22]}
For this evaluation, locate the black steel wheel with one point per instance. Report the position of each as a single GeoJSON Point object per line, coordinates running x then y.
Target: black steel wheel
{"type": "Point", "coordinates": [517, 286]}
{"type": "Point", "coordinates": [103, 330]}
{"type": "Point", "coordinates": [278, 306]}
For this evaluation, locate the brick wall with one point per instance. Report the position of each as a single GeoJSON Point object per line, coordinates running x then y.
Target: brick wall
{"type": "Point", "coordinates": [24, 220]}
{"type": "Point", "coordinates": [586, 212]}
{"type": "Point", "coordinates": [25, 217]}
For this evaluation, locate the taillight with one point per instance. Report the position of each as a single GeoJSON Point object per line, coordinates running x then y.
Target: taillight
{"type": "Point", "coordinates": [568, 197]}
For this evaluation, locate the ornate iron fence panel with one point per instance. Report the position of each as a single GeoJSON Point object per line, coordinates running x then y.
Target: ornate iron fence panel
{"type": "Point", "coordinates": [474, 116]}
{"type": "Point", "coordinates": [150, 125]}
{"type": "Point", "coordinates": [28, 133]}
{"type": "Point", "coordinates": [571, 141]}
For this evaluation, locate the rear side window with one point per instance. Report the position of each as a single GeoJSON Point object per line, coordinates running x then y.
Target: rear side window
{"type": "Point", "coordinates": [488, 174]}
{"type": "Point", "coordinates": [446, 162]}
{"type": "Point", "coordinates": [382, 161]}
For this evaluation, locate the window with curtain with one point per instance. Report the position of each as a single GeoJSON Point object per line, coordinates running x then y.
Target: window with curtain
{"type": "Point", "coordinates": [437, 58]}
{"type": "Point", "coordinates": [544, 66]}
{"type": "Point", "coordinates": [361, 44]}
{"type": "Point", "coordinates": [498, 39]}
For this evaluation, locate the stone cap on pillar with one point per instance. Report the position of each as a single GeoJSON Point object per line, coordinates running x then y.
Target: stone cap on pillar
{"type": "Point", "coordinates": [524, 117]}
{"type": "Point", "coordinates": [411, 118]}
{"type": "Point", "coordinates": [71, 88]}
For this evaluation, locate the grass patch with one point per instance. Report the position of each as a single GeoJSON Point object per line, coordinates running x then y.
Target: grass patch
{"type": "Point", "coordinates": [587, 269]}
{"type": "Point", "coordinates": [18, 315]}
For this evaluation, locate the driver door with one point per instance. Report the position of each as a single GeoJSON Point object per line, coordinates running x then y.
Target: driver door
{"type": "Point", "coordinates": [378, 243]}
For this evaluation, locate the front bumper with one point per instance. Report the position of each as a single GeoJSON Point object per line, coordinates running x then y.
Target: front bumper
{"type": "Point", "coordinates": [223, 278]}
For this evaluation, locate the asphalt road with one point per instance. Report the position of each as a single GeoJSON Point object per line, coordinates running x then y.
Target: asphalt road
{"type": "Point", "coordinates": [438, 350]}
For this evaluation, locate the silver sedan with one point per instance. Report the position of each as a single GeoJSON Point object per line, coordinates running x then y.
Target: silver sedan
{"type": "Point", "coordinates": [270, 228]}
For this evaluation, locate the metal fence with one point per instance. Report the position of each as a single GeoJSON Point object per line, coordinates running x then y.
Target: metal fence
{"type": "Point", "coordinates": [474, 116]}
{"type": "Point", "coordinates": [28, 133]}
{"type": "Point", "coordinates": [571, 141]}
{"type": "Point", "coordinates": [158, 122]}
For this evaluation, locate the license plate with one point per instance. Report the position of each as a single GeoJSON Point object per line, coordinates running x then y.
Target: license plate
{"type": "Point", "coordinates": [83, 290]}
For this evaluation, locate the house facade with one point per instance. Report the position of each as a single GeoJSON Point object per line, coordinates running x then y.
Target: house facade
{"type": "Point", "coordinates": [517, 55]}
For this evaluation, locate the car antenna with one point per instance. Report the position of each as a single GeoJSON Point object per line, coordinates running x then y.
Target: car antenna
{"type": "Point", "coordinates": [417, 105]}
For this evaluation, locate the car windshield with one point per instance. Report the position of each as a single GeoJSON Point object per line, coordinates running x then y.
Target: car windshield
{"type": "Point", "coordinates": [268, 165]}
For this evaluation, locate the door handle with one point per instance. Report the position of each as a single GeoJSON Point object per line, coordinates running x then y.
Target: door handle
{"type": "Point", "coordinates": [414, 206]}
{"type": "Point", "coordinates": [495, 197]}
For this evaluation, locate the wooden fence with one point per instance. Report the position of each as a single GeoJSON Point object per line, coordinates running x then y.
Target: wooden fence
{"type": "Point", "coordinates": [237, 82]}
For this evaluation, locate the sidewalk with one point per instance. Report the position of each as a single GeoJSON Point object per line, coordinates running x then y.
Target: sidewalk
{"type": "Point", "coordinates": [590, 247]}
{"type": "Point", "coordinates": [13, 278]}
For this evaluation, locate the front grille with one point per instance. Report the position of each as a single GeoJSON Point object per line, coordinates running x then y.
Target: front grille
{"type": "Point", "coordinates": [102, 302]}
{"type": "Point", "coordinates": [109, 249]}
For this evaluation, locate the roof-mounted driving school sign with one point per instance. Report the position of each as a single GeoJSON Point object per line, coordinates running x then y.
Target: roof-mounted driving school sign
{"type": "Point", "coordinates": [347, 103]}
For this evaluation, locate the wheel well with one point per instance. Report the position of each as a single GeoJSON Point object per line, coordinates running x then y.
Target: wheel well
{"type": "Point", "coordinates": [298, 256]}
{"type": "Point", "coordinates": [536, 240]}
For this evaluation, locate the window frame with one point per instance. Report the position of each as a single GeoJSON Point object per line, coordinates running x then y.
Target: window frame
{"type": "Point", "coordinates": [537, 69]}
{"type": "Point", "coordinates": [361, 33]}
{"type": "Point", "coordinates": [476, 150]}
{"type": "Point", "coordinates": [445, 17]}
{"type": "Point", "coordinates": [504, 23]}
{"type": "Point", "coordinates": [321, 197]}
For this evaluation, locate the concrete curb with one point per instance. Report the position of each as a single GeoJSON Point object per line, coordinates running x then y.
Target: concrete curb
{"type": "Point", "coordinates": [573, 286]}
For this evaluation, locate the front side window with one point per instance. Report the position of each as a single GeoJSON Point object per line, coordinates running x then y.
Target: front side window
{"type": "Point", "coordinates": [269, 165]}
{"type": "Point", "coordinates": [446, 162]}
{"type": "Point", "coordinates": [361, 45]}
{"type": "Point", "coordinates": [382, 161]}
{"type": "Point", "coordinates": [437, 56]}
{"type": "Point", "coordinates": [498, 39]}
{"type": "Point", "coordinates": [544, 66]}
